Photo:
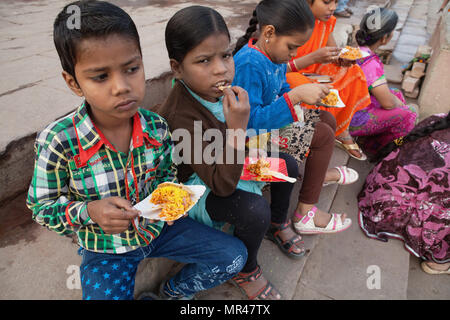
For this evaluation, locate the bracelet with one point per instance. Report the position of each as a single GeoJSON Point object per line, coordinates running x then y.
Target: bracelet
{"type": "Point", "coordinates": [293, 66]}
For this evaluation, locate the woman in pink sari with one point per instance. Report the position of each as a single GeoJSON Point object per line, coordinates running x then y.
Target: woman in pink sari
{"type": "Point", "coordinates": [387, 117]}
{"type": "Point", "coordinates": [407, 194]}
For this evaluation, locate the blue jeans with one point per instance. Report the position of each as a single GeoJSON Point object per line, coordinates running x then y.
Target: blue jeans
{"type": "Point", "coordinates": [342, 5]}
{"type": "Point", "coordinates": [211, 257]}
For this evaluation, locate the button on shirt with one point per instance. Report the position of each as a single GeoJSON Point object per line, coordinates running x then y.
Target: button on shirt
{"type": "Point", "coordinates": [75, 164]}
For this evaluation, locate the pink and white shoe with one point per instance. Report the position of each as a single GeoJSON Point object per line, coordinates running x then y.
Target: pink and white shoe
{"type": "Point", "coordinates": [306, 224]}
{"type": "Point", "coordinates": [348, 176]}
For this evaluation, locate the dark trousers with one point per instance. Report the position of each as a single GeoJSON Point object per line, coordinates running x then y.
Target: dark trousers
{"type": "Point", "coordinates": [251, 214]}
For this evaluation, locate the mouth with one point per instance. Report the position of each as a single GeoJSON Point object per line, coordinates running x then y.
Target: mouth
{"type": "Point", "coordinates": [222, 85]}
{"type": "Point", "coordinates": [126, 105]}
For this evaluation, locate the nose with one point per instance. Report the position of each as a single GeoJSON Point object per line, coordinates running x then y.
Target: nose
{"type": "Point", "coordinates": [120, 85]}
{"type": "Point", "coordinates": [220, 67]}
{"type": "Point", "coordinates": [333, 5]}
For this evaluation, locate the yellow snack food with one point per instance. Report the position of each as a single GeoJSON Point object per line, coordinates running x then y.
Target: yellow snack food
{"type": "Point", "coordinates": [351, 54]}
{"type": "Point", "coordinates": [331, 99]}
{"type": "Point", "coordinates": [173, 199]}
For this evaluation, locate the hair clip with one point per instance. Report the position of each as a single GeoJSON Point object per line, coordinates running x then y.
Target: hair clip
{"type": "Point", "coordinates": [398, 141]}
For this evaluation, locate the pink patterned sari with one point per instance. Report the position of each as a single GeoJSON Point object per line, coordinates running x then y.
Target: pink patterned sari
{"type": "Point", "coordinates": [407, 196]}
{"type": "Point", "coordinates": [380, 125]}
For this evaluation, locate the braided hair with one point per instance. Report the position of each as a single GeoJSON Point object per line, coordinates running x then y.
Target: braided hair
{"type": "Point", "coordinates": [287, 16]}
{"type": "Point", "coordinates": [417, 133]}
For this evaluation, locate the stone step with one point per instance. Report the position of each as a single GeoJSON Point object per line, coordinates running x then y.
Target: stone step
{"type": "Point", "coordinates": [341, 265]}
{"type": "Point", "coordinates": [414, 32]}
{"type": "Point", "coordinates": [283, 272]}
{"type": "Point", "coordinates": [34, 259]}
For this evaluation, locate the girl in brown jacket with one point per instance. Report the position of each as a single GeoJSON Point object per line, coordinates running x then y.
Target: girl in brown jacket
{"type": "Point", "coordinates": [201, 102]}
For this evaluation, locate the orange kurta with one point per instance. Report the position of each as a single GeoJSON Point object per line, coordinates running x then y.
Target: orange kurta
{"type": "Point", "coordinates": [349, 81]}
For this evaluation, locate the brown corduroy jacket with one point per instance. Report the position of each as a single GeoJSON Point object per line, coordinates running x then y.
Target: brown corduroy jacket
{"type": "Point", "coordinates": [181, 110]}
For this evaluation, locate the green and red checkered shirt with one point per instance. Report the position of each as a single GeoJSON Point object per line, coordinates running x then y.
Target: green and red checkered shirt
{"type": "Point", "coordinates": [75, 164]}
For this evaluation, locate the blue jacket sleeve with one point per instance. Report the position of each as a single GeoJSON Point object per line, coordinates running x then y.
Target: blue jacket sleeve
{"type": "Point", "coordinates": [275, 115]}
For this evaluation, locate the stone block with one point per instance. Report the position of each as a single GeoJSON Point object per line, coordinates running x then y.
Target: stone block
{"type": "Point", "coordinates": [418, 69]}
{"type": "Point", "coordinates": [409, 84]}
{"type": "Point", "coordinates": [423, 51]}
{"type": "Point", "coordinates": [414, 94]}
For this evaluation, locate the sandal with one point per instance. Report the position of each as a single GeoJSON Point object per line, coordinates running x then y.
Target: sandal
{"type": "Point", "coordinates": [348, 147]}
{"type": "Point", "coordinates": [263, 294]}
{"type": "Point", "coordinates": [348, 176]}
{"type": "Point", "coordinates": [287, 246]}
{"type": "Point", "coordinates": [430, 270]}
{"type": "Point", "coordinates": [306, 224]}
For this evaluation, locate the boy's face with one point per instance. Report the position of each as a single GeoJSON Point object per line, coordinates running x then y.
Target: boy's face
{"type": "Point", "coordinates": [323, 9]}
{"type": "Point", "coordinates": [206, 67]}
{"type": "Point", "coordinates": [110, 76]}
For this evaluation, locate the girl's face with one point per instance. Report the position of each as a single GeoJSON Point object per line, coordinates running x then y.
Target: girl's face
{"type": "Point", "coordinates": [283, 48]}
{"type": "Point", "coordinates": [206, 67]}
{"type": "Point", "coordinates": [110, 76]}
{"type": "Point", "coordinates": [323, 9]}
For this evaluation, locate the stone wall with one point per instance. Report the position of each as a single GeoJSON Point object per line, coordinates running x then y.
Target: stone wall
{"type": "Point", "coordinates": [434, 95]}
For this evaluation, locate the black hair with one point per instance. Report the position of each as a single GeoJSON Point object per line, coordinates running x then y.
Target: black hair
{"type": "Point", "coordinates": [97, 19]}
{"type": "Point", "coordinates": [287, 16]}
{"type": "Point", "coordinates": [415, 134]}
{"type": "Point", "coordinates": [189, 27]}
{"type": "Point", "coordinates": [375, 24]}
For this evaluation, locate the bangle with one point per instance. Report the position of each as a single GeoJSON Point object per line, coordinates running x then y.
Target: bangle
{"type": "Point", "coordinates": [293, 66]}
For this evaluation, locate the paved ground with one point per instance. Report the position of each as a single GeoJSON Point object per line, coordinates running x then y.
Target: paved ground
{"type": "Point", "coordinates": [38, 264]}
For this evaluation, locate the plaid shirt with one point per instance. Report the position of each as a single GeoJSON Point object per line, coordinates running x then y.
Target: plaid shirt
{"type": "Point", "coordinates": [75, 164]}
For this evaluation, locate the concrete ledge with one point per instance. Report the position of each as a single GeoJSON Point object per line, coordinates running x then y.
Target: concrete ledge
{"type": "Point", "coordinates": [17, 161]}
{"type": "Point", "coordinates": [434, 93]}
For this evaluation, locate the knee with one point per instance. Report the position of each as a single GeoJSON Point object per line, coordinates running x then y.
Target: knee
{"type": "Point", "coordinates": [323, 134]}
{"type": "Point", "coordinates": [328, 119]}
{"type": "Point", "coordinates": [235, 256]}
{"type": "Point", "coordinates": [259, 211]}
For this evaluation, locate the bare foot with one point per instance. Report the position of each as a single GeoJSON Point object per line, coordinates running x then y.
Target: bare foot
{"type": "Point", "coordinates": [438, 266]}
{"type": "Point", "coordinates": [258, 287]}
{"type": "Point", "coordinates": [332, 175]}
{"type": "Point", "coordinates": [346, 138]}
{"type": "Point", "coordinates": [288, 234]}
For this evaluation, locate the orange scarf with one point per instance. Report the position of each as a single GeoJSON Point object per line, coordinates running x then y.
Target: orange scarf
{"type": "Point", "coordinates": [349, 81]}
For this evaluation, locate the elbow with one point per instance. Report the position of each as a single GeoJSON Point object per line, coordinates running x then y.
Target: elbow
{"type": "Point", "coordinates": [388, 104]}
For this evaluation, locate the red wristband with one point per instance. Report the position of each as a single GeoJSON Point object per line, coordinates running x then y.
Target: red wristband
{"type": "Point", "coordinates": [293, 66]}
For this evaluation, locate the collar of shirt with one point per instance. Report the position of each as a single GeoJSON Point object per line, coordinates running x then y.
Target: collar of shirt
{"type": "Point", "coordinates": [90, 139]}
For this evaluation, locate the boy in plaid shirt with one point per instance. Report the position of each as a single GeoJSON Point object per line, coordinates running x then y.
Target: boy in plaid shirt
{"type": "Point", "coordinates": [94, 164]}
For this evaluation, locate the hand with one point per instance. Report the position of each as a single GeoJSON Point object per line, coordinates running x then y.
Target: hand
{"type": "Point", "coordinates": [112, 214]}
{"type": "Point", "coordinates": [310, 93]}
{"type": "Point", "coordinates": [236, 111]}
{"type": "Point", "coordinates": [345, 62]}
{"type": "Point", "coordinates": [326, 55]}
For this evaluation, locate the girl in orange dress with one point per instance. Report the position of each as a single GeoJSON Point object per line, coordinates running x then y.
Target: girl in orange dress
{"type": "Point", "coordinates": [320, 56]}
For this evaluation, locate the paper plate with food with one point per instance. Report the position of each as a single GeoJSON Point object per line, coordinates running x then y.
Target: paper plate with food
{"type": "Point", "coordinates": [332, 100]}
{"type": "Point", "coordinates": [170, 201]}
{"type": "Point", "coordinates": [266, 170]}
{"type": "Point", "coordinates": [352, 53]}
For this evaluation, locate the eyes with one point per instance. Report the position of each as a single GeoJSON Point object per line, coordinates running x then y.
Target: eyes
{"type": "Point", "coordinates": [206, 60]}
{"type": "Point", "coordinates": [104, 76]}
